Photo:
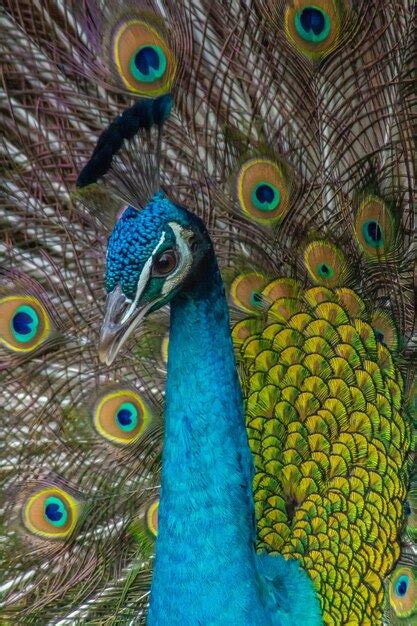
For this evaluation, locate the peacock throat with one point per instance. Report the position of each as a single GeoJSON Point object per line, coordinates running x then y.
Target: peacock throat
{"type": "Point", "coordinates": [206, 522]}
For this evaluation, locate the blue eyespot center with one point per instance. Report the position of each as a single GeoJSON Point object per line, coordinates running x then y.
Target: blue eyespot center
{"type": "Point", "coordinates": [22, 323]}
{"type": "Point", "coordinates": [312, 24]}
{"type": "Point", "coordinates": [147, 60]}
{"type": "Point", "coordinates": [148, 64]}
{"type": "Point", "coordinates": [127, 417]}
{"type": "Point", "coordinates": [401, 586]}
{"type": "Point", "coordinates": [265, 193]}
{"type": "Point", "coordinates": [312, 19]}
{"type": "Point", "coordinates": [25, 323]}
{"type": "Point", "coordinates": [266, 197]}
{"type": "Point", "coordinates": [256, 299]}
{"type": "Point", "coordinates": [325, 271]}
{"type": "Point", "coordinates": [372, 233]}
{"type": "Point", "coordinates": [55, 511]}
{"type": "Point", "coordinates": [379, 336]}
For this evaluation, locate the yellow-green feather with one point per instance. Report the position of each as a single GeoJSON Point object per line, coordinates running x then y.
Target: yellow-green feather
{"type": "Point", "coordinates": [330, 443]}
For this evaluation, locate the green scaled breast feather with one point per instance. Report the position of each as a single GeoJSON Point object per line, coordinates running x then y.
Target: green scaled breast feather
{"type": "Point", "coordinates": [323, 395]}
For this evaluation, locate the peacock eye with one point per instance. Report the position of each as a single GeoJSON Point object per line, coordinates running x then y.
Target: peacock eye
{"type": "Point", "coordinates": [143, 56]}
{"type": "Point", "coordinates": [24, 323]}
{"type": "Point", "coordinates": [312, 24]}
{"type": "Point", "coordinates": [148, 64]}
{"type": "Point", "coordinates": [165, 263]}
{"type": "Point", "coordinates": [402, 591]}
{"type": "Point", "coordinates": [315, 29]}
{"type": "Point", "coordinates": [51, 513]}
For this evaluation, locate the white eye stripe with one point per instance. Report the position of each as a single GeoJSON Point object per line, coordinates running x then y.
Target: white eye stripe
{"type": "Point", "coordinates": [185, 258]}
{"type": "Point", "coordinates": [143, 280]}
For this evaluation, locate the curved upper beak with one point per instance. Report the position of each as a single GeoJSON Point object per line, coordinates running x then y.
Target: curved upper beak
{"type": "Point", "coordinates": [120, 320]}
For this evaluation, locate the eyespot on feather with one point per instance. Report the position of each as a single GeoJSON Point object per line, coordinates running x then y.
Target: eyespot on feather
{"type": "Point", "coordinates": [325, 263]}
{"type": "Point", "coordinates": [315, 28]}
{"type": "Point", "coordinates": [374, 227]}
{"type": "Point", "coordinates": [121, 416]}
{"type": "Point", "coordinates": [24, 323]}
{"type": "Point", "coordinates": [144, 59]}
{"type": "Point", "coordinates": [152, 518]}
{"type": "Point", "coordinates": [384, 329]}
{"type": "Point", "coordinates": [403, 591]}
{"type": "Point", "coordinates": [263, 190]}
{"type": "Point", "coordinates": [246, 290]}
{"type": "Point", "coordinates": [51, 513]}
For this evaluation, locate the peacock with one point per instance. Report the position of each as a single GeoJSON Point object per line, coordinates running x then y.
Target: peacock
{"type": "Point", "coordinates": [207, 313]}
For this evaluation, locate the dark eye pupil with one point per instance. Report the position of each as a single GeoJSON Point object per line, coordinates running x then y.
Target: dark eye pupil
{"type": "Point", "coordinates": [52, 512]}
{"type": "Point", "coordinates": [312, 19]}
{"type": "Point", "coordinates": [22, 323]}
{"type": "Point", "coordinates": [265, 193]}
{"type": "Point", "coordinates": [165, 263]}
{"type": "Point", "coordinates": [402, 588]}
{"type": "Point", "coordinates": [125, 417]}
{"type": "Point", "coordinates": [379, 336]}
{"type": "Point", "coordinates": [145, 59]}
{"type": "Point", "coordinates": [374, 231]}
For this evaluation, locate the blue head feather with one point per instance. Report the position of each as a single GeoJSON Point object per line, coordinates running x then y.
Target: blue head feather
{"type": "Point", "coordinates": [134, 238]}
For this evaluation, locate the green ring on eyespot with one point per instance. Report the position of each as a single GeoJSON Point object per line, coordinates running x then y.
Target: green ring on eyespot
{"type": "Point", "coordinates": [373, 233]}
{"type": "Point", "coordinates": [55, 512]}
{"type": "Point", "coordinates": [24, 329]}
{"type": "Point", "coordinates": [266, 205]}
{"type": "Point", "coordinates": [156, 63]}
{"type": "Point", "coordinates": [127, 417]}
{"type": "Point", "coordinates": [310, 35]}
{"type": "Point", "coordinates": [325, 271]}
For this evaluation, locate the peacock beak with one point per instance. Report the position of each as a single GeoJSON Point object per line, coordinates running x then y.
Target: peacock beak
{"type": "Point", "coordinates": [120, 320]}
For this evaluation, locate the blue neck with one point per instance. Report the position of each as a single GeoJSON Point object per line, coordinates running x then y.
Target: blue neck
{"type": "Point", "coordinates": [205, 568]}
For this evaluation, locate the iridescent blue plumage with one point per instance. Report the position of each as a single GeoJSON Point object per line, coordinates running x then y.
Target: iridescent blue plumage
{"type": "Point", "coordinates": [134, 238]}
{"type": "Point", "coordinates": [206, 568]}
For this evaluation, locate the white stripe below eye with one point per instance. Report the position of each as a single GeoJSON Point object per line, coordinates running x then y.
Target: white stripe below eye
{"type": "Point", "coordinates": [185, 258]}
{"type": "Point", "coordinates": [143, 280]}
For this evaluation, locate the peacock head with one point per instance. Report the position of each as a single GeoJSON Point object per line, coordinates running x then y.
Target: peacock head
{"type": "Point", "coordinates": [151, 255]}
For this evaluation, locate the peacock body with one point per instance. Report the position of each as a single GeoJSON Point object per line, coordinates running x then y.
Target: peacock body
{"type": "Point", "coordinates": [249, 457]}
